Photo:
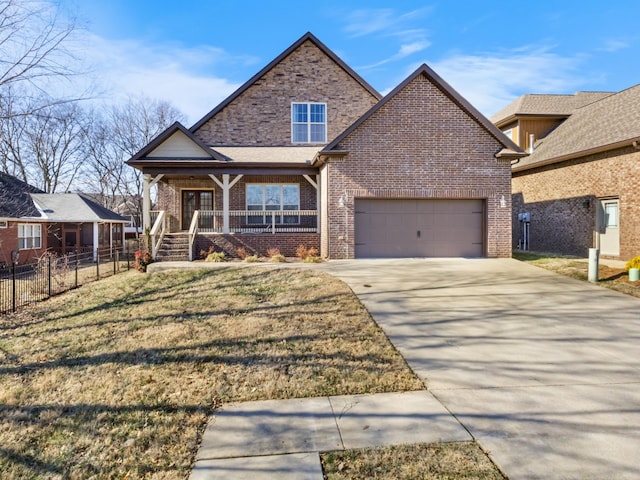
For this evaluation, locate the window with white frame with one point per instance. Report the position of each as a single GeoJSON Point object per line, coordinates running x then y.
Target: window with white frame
{"type": "Point", "coordinates": [29, 236]}
{"type": "Point", "coordinates": [278, 197]}
{"type": "Point", "coordinates": [309, 122]}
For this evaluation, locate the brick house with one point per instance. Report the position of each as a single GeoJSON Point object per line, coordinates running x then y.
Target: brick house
{"type": "Point", "coordinates": [578, 187]}
{"type": "Point", "coordinates": [307, 152]}
{"type": "Point", "coordinates": [32, 222]}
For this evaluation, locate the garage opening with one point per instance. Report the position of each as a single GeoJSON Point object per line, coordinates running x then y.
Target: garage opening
{"type": "Point", "coordinates": [401, 228]}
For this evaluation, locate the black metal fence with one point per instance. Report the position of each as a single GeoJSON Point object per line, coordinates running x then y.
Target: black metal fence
{"type": "Point", "coordinates": [52, 275]}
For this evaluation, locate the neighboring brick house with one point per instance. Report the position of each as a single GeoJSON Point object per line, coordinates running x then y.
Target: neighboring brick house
{"type": "Point", "coordinates": [32, 222]}
{"type": "Point", "coordinates": [307, 152]}
{"type": "Point", "coordinates": [578, 188]}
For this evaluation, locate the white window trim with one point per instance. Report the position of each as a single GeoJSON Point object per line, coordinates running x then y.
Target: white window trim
{"type": "Point", "coordinates": [281, 210]}
{"type": "Point", "coordinates": [32, 237]}
{"type": "Point", "coordinates": [309, 122]}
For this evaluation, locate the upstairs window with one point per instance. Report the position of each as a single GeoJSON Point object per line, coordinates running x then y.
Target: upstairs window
{"type": "Point", "coordinates": [309, 122]}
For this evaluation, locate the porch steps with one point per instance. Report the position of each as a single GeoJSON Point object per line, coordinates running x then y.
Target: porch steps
{"type": "Point", "coordinates": [174, 248]}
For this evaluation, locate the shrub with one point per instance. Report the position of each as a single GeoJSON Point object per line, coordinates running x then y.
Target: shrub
{"type": "Point", "coordinates": [275, 255]}
{"type": "Point", "coordinates": [309, 255]}
{"type": "Point", "coordinates": [251, 259]}
{"type": "Point", "coordinates": [216, 257]}
{"type": "Point", "coordinates": [142, 259]}
{"type": "Point", "coordinates": [205, 253]}
{"type": "Point", "coordinates": [242, 253]}
{"type": "Point", "coordinates": [633, 263]}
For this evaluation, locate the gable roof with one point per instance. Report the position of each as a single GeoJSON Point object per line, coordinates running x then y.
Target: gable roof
{"type": "Point", "coordinates": [546, 105]}
{"type": "Point", "coordinates": [15, 201]}
{"type": "Point", "coordinates": [609, 123]}
{"type": "Point", "coordinates": [72, 207]}
{"type": "Point", "coordinates": [306, 37]}
{"type": "Point", "coordinates": [162, 137]}
{"type": "Point", "coordinates": [510, 148]}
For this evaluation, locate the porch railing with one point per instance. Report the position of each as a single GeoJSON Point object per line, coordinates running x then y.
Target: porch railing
{"type": "Point", "coordinates": [193, 231]}
{"type": "Point", "coordinates": [157, 233]}
{"type": "Point", "coordinates": [259, 221]}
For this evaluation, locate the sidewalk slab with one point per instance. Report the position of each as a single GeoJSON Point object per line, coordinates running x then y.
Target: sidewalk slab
{"type": "Point", "coordinates": [299, 466]}
{"type": "Point", "coordinates": [270, 427]}
{"type": "Point", "coordinates": [385, 419]}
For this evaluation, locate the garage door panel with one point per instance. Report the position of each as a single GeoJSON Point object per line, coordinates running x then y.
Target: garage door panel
{"type": "Point", "coordinates": [388, 228]}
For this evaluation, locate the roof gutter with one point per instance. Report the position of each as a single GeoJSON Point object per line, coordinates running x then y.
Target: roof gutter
{"type": "Point", "coordinates": [631, 142]}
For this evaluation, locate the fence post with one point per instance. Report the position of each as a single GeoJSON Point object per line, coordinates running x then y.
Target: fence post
{"type": "Point", "coordinates": [49, 276]}
{"type": "Point", "coordinates": [98, 264]}
{"type": "Point", "coordinates": [13, 292]}
{"type": "Point", "coordinates": [76, 269]}
{"type": "Point", "coordinates": [114, 262]}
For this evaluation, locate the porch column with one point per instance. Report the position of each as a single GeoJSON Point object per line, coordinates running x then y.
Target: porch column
{"type": "Point", "coordinates": [96, 237]}
{"type": "Point", "coordinates": [146, 202]}
{"type": "Point", "coordinates": [147, 183]}
{"type": "Point", "coordinates": [225, 185]}
{"type": "Point", "coordinates": [316, 184]}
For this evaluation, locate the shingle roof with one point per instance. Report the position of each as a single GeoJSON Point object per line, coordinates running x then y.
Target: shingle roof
{"type": "Point", "coordinates": [599, 126]}
{"type": "Point", "coordinates": [269, 154]}
{"type": "Point", "coordinates": [547, 105]}
{"type": "Point", "coordinates": [72, 207]}
{"type": "Point", "coordinates": [15, 201]}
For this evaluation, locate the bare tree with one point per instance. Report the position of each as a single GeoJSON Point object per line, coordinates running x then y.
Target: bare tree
{"type": "Point", "coordinates": [116, 136]}
{"type": "Point", "coordinates": [34, 55]}
{"type": "Point", "coordinates": [54, 144]}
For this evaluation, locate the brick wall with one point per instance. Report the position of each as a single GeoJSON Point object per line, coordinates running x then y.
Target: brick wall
{"type": "Point", "coordinates": [261, 116]}
{"type": "Point", "coordinates": [9, 242]}
{"type": "Point", "coordinates": [562, 199]}
{"type": "Point", "coordinates": [418, 145]}
{"type": "Point", "coordinates": [257, 244]}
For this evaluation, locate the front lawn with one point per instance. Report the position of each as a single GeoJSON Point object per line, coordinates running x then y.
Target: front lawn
{"type": "Point", "coordinates": [117, 379]}
{"type": "Point", "coordinates": [610, 277]}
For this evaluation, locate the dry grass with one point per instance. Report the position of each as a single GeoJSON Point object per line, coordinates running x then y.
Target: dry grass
{"type": "Point", "coordinates": [118, 378]}
{"type": "Point", "coordinates": [613, 278]}
{"type": "Point", "coordinates": [443, 461]}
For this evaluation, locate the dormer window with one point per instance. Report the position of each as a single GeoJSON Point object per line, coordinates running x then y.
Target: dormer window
{"type": "Point", "coordinates": [309, 122]}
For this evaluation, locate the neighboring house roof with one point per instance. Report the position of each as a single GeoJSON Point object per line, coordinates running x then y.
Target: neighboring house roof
{"type": "Point", "coordinates": [306, 37]}
{"type": "Point", "coordinates": [510, 148]}
{"type": "Point", "coordinates": [269, 155]}
{"type": "Point", "coordinates": [72, 207]}
{"type": "Point", "coordinates": [543, 105]}
{"type": "Point", "coordinates": [15, 201]}
{"type": "Point", "coordinates": [611, 122]}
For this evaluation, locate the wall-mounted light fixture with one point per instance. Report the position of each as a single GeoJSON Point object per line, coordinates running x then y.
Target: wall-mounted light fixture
{"type": "Point", "coordinates": [341, 202]}
{"type": "Point", "coordinates": [503, 202]}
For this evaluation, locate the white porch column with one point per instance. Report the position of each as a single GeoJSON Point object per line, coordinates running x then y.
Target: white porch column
{"type": "Point", "coordinates": [96, 237]}
{"type": "Point", "coordinates": [146, 202]}
{"type": "Point", "coordinates": [316, 184]}
{"type": "Point", "coordinates": [225, 185]}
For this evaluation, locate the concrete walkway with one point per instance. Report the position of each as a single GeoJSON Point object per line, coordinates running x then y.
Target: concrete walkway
{"type": "Point", "coordinates": [280, 439]}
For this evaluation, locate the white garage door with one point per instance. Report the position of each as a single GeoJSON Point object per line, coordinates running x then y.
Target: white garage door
{"type": "Point", "coordinates": [387, 228]}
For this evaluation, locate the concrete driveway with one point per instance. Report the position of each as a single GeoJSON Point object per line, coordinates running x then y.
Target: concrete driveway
{"type": "Point", "coordinates": [544, 371]}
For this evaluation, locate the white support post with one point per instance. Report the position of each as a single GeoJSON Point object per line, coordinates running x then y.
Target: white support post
{"type": "Point", "coordinates": [96, 237]}
{"type": "Point", "coordinates": [225, 185]}
{"type": "Point", "coordinates": [146, 202]}
{"type": "Point", "coordinates": [316, 184]}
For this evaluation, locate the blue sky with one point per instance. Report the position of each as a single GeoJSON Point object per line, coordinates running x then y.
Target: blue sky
{"type": "Point", "coordinates": [195, 53]}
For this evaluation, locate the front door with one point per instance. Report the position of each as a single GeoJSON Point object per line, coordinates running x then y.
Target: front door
{"type": "Point", "coordinates": [193, 200]}
{"type": "Point", "coordinates": [609, 227]}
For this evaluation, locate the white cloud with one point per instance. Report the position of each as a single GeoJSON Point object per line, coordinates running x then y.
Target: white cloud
{"type": "Point", "coordinates": [379, 20]}
{"type": "Point", "coordinates": [490, 82]}
{"type": "Point", "coordinates": [176, 74]}
{"type": "Point", "coordinates": [613, 45]}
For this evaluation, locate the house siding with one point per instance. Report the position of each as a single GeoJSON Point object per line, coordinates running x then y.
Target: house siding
{"type": "Point", "coordinates": [261, 115]}
{"type": "Point", "coordinates": [420, 144]}
{"type": "Point", "coordinates": [562, 201]}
